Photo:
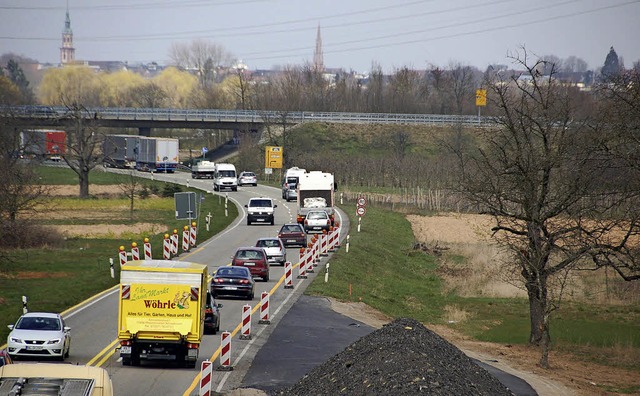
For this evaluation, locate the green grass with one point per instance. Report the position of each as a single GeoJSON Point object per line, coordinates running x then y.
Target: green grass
{"type": "Point", "coordinates": [81, 265]}
{"type": "Point", "coordinates": [65, 176]}
{"type": "Point", "coordinates": [383, 271]}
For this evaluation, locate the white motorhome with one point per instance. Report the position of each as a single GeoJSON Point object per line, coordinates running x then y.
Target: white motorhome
{"type": "Point", "coordinates": [315, 191]}
{"type": "Point", "coordinates": [290, 183]}
{"type": "Point", "coordinates": [225, 176]}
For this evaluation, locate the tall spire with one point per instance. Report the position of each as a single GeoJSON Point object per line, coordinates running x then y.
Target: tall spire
{"type": "Point", "coordinates": [318, 58]}
{"type": "Point", "coordinates": [67, 52]}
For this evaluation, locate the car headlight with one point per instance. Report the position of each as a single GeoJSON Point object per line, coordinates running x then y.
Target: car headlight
{"type": "Point", "coordinates": [56, 341]}
{"type": "Point", "coordinates": [17, 340]}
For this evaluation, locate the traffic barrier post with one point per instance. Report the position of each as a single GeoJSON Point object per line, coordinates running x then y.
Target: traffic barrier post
{"type": "Point", "coordinates": [246, 322]}
{"type": "Point", "coordinates": [147, 249]}
{"type": "Point", "coordinates": [194, 232]}
{"type": "Point", "coordinates": [123, 256]}
{"type": "Point", "coordinates": [225, 352]}
{"type": "Point", "coordinates": [264, 308]}
{"type": "Point", "coordinates": [166, 247]}
{"type": "Point", "coordinates": [135, 251]}
{"type": "Point", "coordinates": [288, 278]}
{"type": "Point", "coordinates": [302, 268]}
{"type": "Point", "coordinates": [324, 237]}
{"type": "Point", "coordinates": [206, 374]}
{"type": "Point", "coordinates": [174, 243]}
{"type": "Point", "coordinates": [185, 239]}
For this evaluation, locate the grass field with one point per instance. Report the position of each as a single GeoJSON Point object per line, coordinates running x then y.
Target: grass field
{"type": "Point", "coordinates": [381, 269]}
{"type": "Point", "coordinates": [56, 278]}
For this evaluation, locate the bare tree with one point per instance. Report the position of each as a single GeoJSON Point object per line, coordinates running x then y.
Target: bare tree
{"type": "Point", "coordinates": [83, 142]}
{"type": "Point", "coordinates": [131, 187]}
{"type": "Point", "coordinates": [462, 83]}
{"type": "Point", "coordinates": [560, 200]}
{"type": "Point", "coordinates": [201, 55]}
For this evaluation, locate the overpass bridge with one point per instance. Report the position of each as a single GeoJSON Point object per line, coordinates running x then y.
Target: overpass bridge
{"type": "Point", "coordinates": [146, 118]}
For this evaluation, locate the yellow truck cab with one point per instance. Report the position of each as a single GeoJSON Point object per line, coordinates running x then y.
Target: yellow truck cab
{"type": "Point", "coordinates": [161, 311]}
{"type": "Point", "coordinates": [61, 379]}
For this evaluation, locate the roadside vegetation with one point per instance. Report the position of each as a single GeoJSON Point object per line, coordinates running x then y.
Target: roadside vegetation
{"type": "Point", "coordinates": [74, 266]}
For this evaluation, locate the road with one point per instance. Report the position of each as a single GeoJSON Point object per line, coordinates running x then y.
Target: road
{"type": "Point", "coordinates": [94, 322]}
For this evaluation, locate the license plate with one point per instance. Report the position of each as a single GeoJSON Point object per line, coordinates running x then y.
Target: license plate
{"type": "Point", "coordinates": [34, 348]}
{"type": "Point", "coordinates": [260, 219]}
{"type": "Point", "coordinates": [249, 264]}
{"type": "Point", "coordinates": [291, 240]}
{"type": "Point", "coordinates": [125, 350]}
{"type": "Point", "coordinates": [230, 288]}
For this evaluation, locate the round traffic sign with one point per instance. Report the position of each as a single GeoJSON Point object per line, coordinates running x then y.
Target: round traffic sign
{"type": "Point", "coordinates": [361, 211]}
{"type": "Point", "coordinates": [362, 201]}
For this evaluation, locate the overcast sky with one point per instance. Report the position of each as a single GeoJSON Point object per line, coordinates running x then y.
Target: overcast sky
{"type": "Point", "coordinates": [355, 33]}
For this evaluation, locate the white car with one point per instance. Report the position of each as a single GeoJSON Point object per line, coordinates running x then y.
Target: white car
{"type": "Point", "coordinates": [40, 335]}
{"type": "Point", "coordinates": [260, 209]}
{"type": "Point", "coordinates": [276, 252]}
{"type": "Point", "coordinates": [317, 220]}
{"type": "Point", "coordinates": [247, 178]}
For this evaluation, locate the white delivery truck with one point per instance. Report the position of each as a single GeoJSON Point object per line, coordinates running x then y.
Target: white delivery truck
{"type": "Point", "coordinates": [225, 176]}
{"type": "Point", "coordinates": [315, 191]}
{"type": "Point", "coordinates": [157, 155]}
{"type": "Point", "coordinates": [203, 169]}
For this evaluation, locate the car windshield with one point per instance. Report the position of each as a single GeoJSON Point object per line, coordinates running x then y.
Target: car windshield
{"type": "Point", "coordinates": [268, 243]}
{"type": "Point", "coordinates": [232, 272]}
{"type": "Point", "coordinates": [291, 228]}
{"type": "Point", "coordinates": [38, 323]}
{"type": "Point", "coordinates": [317, 215]}
{"type": "Point", "coordinates": [249, 254]}
{"type": "Point", "coordinates": [248, 174]}
{"type": "Point", "coordinates": [260, 203]}
{"type": "Point", "coordinates": [227, 173]}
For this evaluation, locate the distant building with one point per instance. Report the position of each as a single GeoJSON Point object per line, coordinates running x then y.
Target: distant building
{"type": "Point", "coordinates": [67, 52]}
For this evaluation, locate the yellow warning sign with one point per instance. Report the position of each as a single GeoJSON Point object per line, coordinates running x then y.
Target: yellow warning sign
{"type": "Point", "coordinates": [273, 157]}
{"type": "Point", "coordinates": [481, 97]}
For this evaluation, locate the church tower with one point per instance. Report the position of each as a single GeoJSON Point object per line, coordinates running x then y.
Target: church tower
{"type": "Point", "coordinates": [318, 58]}
{"type": "Point", "coordinates": [67, 52]}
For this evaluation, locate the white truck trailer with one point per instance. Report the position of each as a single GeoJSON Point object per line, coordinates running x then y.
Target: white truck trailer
{"type": "Point", "coordinates": [157, 155]}
{"type": "Point", "coordinates": [203, 169]}
{"type": "Point", "coordinates": [315, 191]}
{"type": "Point", "coordinates": [120, 151]}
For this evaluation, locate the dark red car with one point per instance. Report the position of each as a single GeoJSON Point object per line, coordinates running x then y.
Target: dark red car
{"type": "Point", "coordinates": [293, 234]}
{"type": "Point", "coordinates": [253, 258]}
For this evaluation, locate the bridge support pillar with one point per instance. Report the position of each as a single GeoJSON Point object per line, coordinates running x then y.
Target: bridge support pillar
{"type": "Point", "coordinates": [144, 131]}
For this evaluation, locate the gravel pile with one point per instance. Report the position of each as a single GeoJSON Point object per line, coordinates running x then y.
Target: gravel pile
{"type": "Point", "coordinates": [402, 358]}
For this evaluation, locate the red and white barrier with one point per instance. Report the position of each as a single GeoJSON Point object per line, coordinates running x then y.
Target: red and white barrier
{"type": "Point", "coordinates": [135, 251]}
{"type": "Point", "coordinates": [174, 243]}
{"type": "Point", "coordinates": [185, 239]}
{"type": "Point", "coordinates": [206, 374]}
{"type": "Point", "coordinates": [324, 237]}
{"type": "Point", "coordinates": [147, 249]}
{"type": "Point", "coordinates": [246, 322]}
{"type": "Point", "coordinates": [288, 278]}
{"type": "Point", "coordinates": [194, 231]}
{"type": "Point", "coordinates": [309, 260]}
{"type": "Point", "coordinates": [166, 247]}
{"type": "Point", "coordinates": [264, 308]}
{"type": "Point", "coordinates": [225, 352]}
{"type": "Point", "coordinates": [316, 252]}
{"type": "Point", "coordinates": [122, 254]}
{"type": "Point", "coordinates": [302, 267]}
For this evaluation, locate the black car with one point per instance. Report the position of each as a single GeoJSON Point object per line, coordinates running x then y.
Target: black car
{"type": "Point", "coordinates": [212, 315]}
{"type": "Point", "coordinates": [233, 281]}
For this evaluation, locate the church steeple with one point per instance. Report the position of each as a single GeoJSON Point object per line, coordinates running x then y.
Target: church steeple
{"type": "Point", "coordinates": [67, 52]}
{"type": "Point", "coordinates": [318, 58]}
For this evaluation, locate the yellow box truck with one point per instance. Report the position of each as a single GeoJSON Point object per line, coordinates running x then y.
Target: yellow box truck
{"type": "Point", "coordinates": [161, 311]}
{"type": "Point", "coordinates": [54, 379]}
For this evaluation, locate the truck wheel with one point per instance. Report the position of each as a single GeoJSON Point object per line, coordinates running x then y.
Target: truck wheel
{"type": "Point", "coordinates": [272, 221]}
{"type": "Point", "coordinates": [248, 221]}
{"type": "Point", "coordinates": [126, 361]}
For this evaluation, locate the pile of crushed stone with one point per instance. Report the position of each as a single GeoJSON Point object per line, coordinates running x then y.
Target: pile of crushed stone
{"type": "Point", "coordinates": [401, 358]}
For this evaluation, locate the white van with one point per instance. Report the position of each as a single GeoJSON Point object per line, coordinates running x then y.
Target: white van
{"type": "Point", "coordinates": [225, 176]}
{"type": "Point", "coordinates": [290, 183]}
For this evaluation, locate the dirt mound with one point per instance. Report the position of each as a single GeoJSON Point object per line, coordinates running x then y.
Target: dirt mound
{"type": "Point", "coordinates": [401, 358]}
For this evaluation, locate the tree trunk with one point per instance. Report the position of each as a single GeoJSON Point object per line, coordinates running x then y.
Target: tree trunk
{"type": "Point", "coordinates": [539, 315]}
{"type": "Point", "coordinates": [83, 175]}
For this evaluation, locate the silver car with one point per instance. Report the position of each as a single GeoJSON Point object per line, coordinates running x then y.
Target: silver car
{"type": "Point", "coordinates": [276, 252]}
{"type": "Point", "coordinates": [247, 178]}
{"type": "Point", "coordinates": [41, 335]}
